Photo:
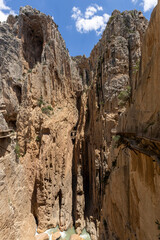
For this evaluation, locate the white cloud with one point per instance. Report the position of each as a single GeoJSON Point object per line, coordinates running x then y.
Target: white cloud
{"type": "Point", "coordinates": [91, 10]}
{"type": "Point", "coordinates": [5, 11]}
{"type": "Point", "coordinates": [89, 21]}
{"type": "Point", "coordinates": [76, 13]}
{"type": "Point", "coordinates": [147, 4]}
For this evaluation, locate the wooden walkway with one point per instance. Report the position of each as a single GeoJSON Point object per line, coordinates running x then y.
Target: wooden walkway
{"type": "Point", "coordinates": [146, 145]}
{"type": "Point", "coordinates": [138, 136]}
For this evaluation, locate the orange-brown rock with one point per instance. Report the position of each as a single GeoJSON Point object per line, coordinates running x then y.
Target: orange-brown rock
{"type": "Point", "coordinates": [56, 235]}
{"type": "Point", "coordinates": [112, 63]}
{"type": "Point", "coordinates": [131, 195]}
{"type": "Point", "coordinates": [42, 236]}
{"type": "Point", "coordinates": [38, 102]}
{"type": "Point", "coordinates": [75, 237]}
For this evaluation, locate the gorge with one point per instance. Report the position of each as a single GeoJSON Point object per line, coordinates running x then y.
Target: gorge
{"type": "Point", "coordinates": [79, 137]}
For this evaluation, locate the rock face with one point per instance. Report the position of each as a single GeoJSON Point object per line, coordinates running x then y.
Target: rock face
{"type": "Point", "coordinates": [39, 89]}
{"type": "Point", "coordinates": [47, 116]}
{"type": "Point", "coordinates": [112, 64]}
{"type": "Point", "coordinates": [133, 204]}
{"type": "Point", "coordinates": [78, 136]}
{"type": "Point", "coordinates": [132, 191]}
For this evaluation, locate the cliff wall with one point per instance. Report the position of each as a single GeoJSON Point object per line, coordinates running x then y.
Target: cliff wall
{"type": "Point", "coordinates": [132, 192]}
{"type": "Point", "coordinates": [79, 140]}
{"type": "Point", "coordinates": [113, 72]}
{"type": "Point", "coordinates": [39, 90]}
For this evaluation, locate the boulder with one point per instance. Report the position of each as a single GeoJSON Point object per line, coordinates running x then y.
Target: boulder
{"type": "Point", "coordinates": [42, 236]}
{"type": "Point", "coordinates": [76, 237]}
{"type": "Point", "coordinates": [56, 235]}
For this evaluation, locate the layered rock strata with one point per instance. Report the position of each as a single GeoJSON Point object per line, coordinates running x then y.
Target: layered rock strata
{"type": "Point", "coordinates": [131, 209]}
{"type": "Point", "coordinates": [113, 69]}
{"type": "Point", "coordinates": [39, 90]}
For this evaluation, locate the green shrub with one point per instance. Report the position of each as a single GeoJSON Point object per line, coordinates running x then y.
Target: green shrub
{"type": "Point", "coordinates": [38, 138]}
{"type": "Point", "coordinates": [124, 96]}
{"type": "Point", "coordinates": [136, 67]}
{"type": "Point", "coordinates": [132, 13]}
{"type": "Point", "coordinates": [116, 140]}
{"type": "Point", "coordinates": [50, 108]}
{"type": "Point", "coordinates": [40, 101]}
{"type": "Point", "coordinates": [131, 31]}
{"type": "Point", "coordinates": [17, 150]}
{"type": "Point", "coordinates": [47, 110]}
{"type": "Point", "coordinates": [29, 70]}
{"type": "Point", "coordinates": [102, 103]}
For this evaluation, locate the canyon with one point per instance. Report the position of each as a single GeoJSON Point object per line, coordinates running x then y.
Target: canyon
{"type": "Point", "coordinates": [79, 137]}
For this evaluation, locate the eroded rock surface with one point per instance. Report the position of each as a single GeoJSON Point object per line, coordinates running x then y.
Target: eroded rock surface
{"type": "Point", "coordinates": [113, 70]}
{"type": "Point", "coordinates": [39, 88]}
{"type": "Point", "coordinates": [132, 191]}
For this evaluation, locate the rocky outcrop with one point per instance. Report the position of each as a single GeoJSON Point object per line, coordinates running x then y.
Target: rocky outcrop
{"type": "Point", "coordinates": [39, 88]}
{"type": "Point", "coordinates": [56, 236]}
{"type": "Point", "coordinates": [112, 64]}
{"type": "Point", "coordinates": [47, 116]}
{"type": "Point", "coordinates": [132, 192]}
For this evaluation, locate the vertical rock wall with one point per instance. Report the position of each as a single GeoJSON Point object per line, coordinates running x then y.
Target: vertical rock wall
{"type": "Point", "coordinates": [130, 207]}
{"type": "Point", "coordinates": [76, 146]}
{"type": "Point", "coordinates": [112, 65]}
{"type": "Point", "coordinates": [39, 88]}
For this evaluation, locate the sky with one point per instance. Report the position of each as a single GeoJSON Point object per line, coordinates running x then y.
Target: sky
{"type": "Point", "coordinates": [80, 22]}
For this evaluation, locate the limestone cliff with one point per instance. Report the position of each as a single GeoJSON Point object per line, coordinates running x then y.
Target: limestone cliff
{"type": "Point", "coordinates": [79, 140]}
{"type": "Point", "coordinates": [134, 206]}
{"type": "Point", "coordinates": [39, 90]}
{"type": "Point", "coordinates": [112, 71]}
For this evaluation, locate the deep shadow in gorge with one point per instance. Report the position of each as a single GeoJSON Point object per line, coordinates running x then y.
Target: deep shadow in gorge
{"type": "Point", "coordinates": [75, 162]}
{"type": "Point", "coordinates": [32, 37]}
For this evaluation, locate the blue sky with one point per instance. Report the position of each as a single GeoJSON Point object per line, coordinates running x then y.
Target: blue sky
{"type": "Point", "coordinates": [81, 22]}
